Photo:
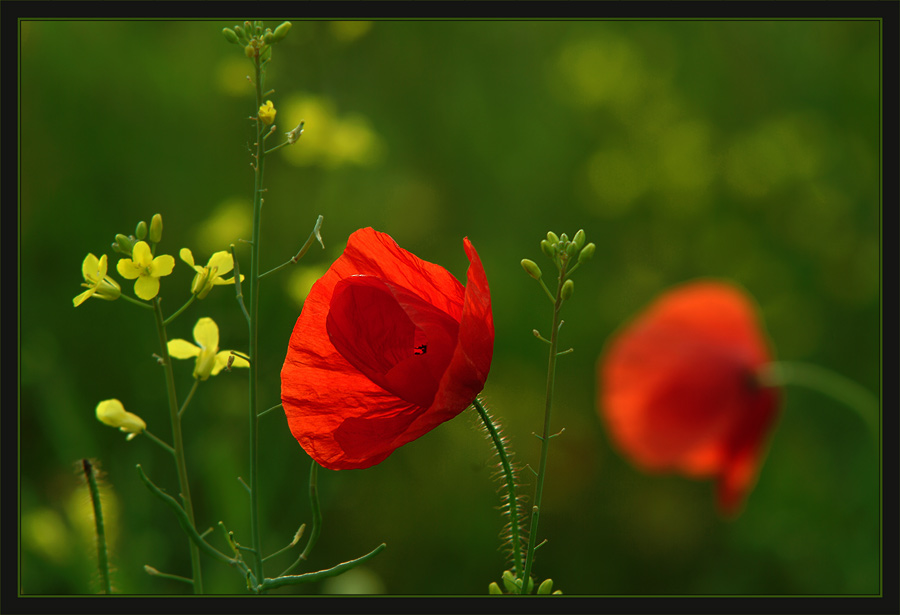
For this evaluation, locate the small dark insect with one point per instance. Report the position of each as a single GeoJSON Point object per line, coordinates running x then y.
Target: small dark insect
{"type": "Point", "coordinates": [423, 348]}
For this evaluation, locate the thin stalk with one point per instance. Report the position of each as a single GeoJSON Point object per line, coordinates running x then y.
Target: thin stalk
{"type": "Point", "coordinates": [826, 382]}
{"type": "Point", "coordinates": [317, 518]}
{"type": "Point", "coordinates": [510, 485]}
{"type": "Point", "coordinates": [178, 312]}
{"type": "Point", "coordinates": [102, 554]}
{"type": "Point", "coordinates": [254, 330]}
{"type": "Point", "coordinates": [177, 442]}
{"type": "Point", "coordinates": [545, 435]}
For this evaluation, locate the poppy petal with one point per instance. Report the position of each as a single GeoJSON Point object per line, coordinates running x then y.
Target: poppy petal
{"type": "Point", "coordinates": [383, 352]}
{"type": "Point", "coordinates": [678, 392]}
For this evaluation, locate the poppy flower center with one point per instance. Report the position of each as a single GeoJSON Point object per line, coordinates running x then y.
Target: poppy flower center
{"type": "Point", "coordinates": [399, 341]}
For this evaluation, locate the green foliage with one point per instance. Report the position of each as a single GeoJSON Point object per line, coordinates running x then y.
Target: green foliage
{"type": "Point", "coordinates": [747, 150]}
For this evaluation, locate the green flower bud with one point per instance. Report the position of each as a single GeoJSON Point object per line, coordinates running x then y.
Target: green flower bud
{"type": "Point", "coordinates": [494, 589]}
{"type": "Point", "coordinates": [123, 245]}
{"type": "Point", "coordinates": [156, 228]}
{"type": "Point", "coordinates": [548, 248]}
{"type": "Point", "coordinates": [250, 51]}
{"type": "Point", "coordinates": [552, 238]}
{"type": "Point", "coordinates": [282, 30]}
{"type": "Point", "coordinates": [531, 268]}
{"type": "Point", "coordinates": [269, 38]}
{"type": "Point", "coordinates": [587, 253]}
{"type": "Point", "coordinates": [564, 238]}
{"type": "Point", "coordinates": [546, 587]}
{"type": "Point", "coordinates": [570, 249]}
{"type": "Point", "coordinates": [558, 591]}
{"type": "Point", "coordinates": [230, 36]}
{"type": "Point", "coordinates": [241, 35]}
{"type": "Point", "coordinates": [578, 239]}
{"type": "Point", "coordinates": [509, 581]}
{"type": "Point", "coordinates": [141, 230]}
{"type": "Point", "coordinates": [567, 290]}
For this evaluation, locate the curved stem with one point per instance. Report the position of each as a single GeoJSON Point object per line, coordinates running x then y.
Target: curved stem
{"type": "Point", "coordinates": [513, 501]}
{"type": "Point", "coordinates": [827, 382]}
{"type": "Point", "coordinates": [545, 435]}
{"type": "Point", "coordinates": [310, 577]}
{"type": "Point", "coordinates": [177, 443]}
{"type": "Point", "coordinates": [169, 320]}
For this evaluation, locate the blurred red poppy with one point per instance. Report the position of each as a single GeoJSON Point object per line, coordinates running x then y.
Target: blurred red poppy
{"type": "Point", "coordinates": [678, 388]}
{"type": "Point", "coordinates": [386, 348]}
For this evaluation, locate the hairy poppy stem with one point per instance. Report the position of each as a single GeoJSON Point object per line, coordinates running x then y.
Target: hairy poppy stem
{"type": "Point", "coordinates": [513, 501]}
{"type": "Point", "coordinates": [545, 437]}
{"type": "Point", "coordinates": [827, 382]}
{"type": "Point", "coordinates": [90, 476]}
{"type": "Point", "coordinates": [177, 441]}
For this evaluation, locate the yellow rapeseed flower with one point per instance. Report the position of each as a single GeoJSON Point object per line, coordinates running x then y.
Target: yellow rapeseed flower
{"type": "Point", "coordinates": [111, 412]}
{"type": "Point", "coordinates": [96, 281]}
{"type": "Point", "coordinates": [210, 360]}
{"type": "Point", "coordinates": [219, 264]}
{"type": "Point", "coordinates": [145, 269]}
{"type": "Point", "coordinates": [267, 113]}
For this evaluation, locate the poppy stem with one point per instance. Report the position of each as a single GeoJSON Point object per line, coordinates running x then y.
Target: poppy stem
{"type": "Point", "coordinates": [90, 476]}
{"type": "Point", "coordinates": [513, 501]}
{"type": "Point", "coordinates": [826, 382]}
{"type": "Point", "coordinates": [545, 437]}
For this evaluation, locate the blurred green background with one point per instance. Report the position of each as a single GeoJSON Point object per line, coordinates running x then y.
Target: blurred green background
{"type": "Point", "coordinates": [747, 150]}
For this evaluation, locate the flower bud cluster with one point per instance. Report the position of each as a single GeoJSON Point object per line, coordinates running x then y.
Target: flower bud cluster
{"type": "Point", "coordinates": [513, 585]}
{"type": "Point", "coordinates": [567, 254]}
{"type": "Point", "coordinates": [256, 41]}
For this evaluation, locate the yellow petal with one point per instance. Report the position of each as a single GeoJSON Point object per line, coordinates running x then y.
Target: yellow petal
{"type": "Point", "coordinates": [132, 423]}
{"type": "Point", "coordinates": [187, 256]}
{"type": "Point", "coordinates": [223, 261]}
{"type": "Point", "coordinates": [146, 287]}
{"type": "Point", "coordinates": [206, 333]}
{"type": "Point", "coordinates": [128, 269]}
{"type": "Point", "coordinates": [182, 349]}
{"type": "Point", "coordinates": [90, 266]}
{"type": "Point", "coordinates": [222, 360]}
{"type": "Point", "coordinates": [110, 412]}
{"type": "Point", "coordinates": [162, 265]}
{"type": "Point", "coordinates": [141, 254]}
{"type": "Point", "coordinates": [83, 297]}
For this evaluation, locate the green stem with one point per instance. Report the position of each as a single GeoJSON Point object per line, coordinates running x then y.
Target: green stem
{"type": "Point", "coordinates": [188, 526]}
{"type": "Point", "coordinates": [169, 320]}
{"type": "Point", "coordinates": [513, 501]}
{"type": "Point", "coordinates": [188, 398]}
{"type": "Point", "coordinates": [315, 234]}
{"type": "Point", "coordinates": [253, 332]}
{"type": "Point", "coordinates": [545, 435]}
{"type": "Point", "coordinates": [136, 302]}
{"type": "Point", "coordinates": [311, 577]}
{"type": "Point", "coordinates": [102, 555]}
{"type": "Point", "coordinates": [827, 382]}
{"type": "Point", "coordinates": [317, 518]}
{"type": "Point", "coordinates": [177, 442]}
{"type": "Point", "coordinates": [159, 441]}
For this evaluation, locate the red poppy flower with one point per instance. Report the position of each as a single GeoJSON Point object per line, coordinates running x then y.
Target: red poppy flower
{"type": "Point", "coordinates": [678, 389]}
{"type": "Point", "coordinates": [386, 348]}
